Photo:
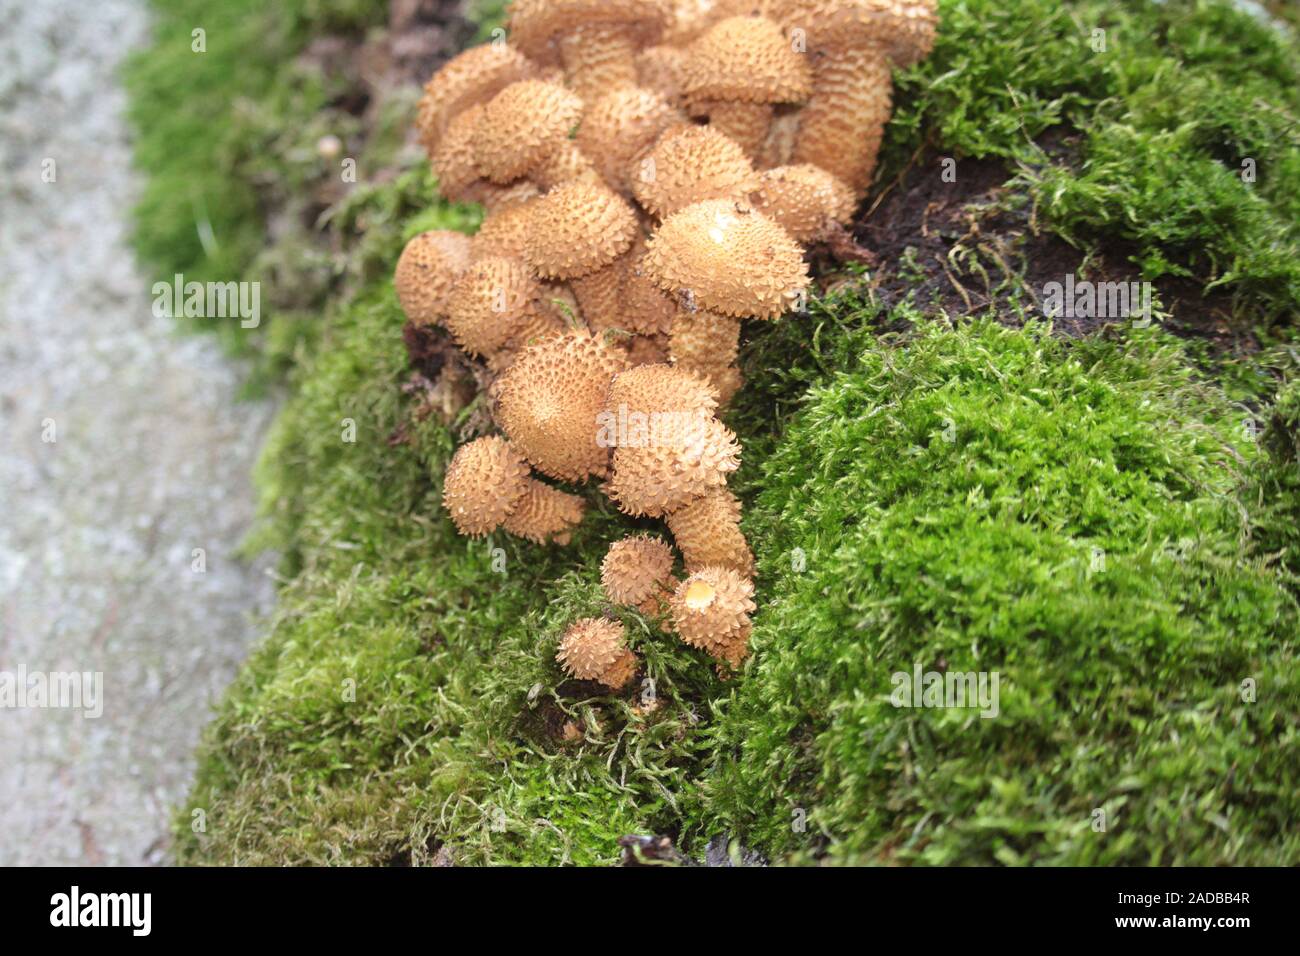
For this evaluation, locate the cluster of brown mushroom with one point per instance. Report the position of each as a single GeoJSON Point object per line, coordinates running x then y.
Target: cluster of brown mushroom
{"type": "Point", "coordinates": [651, 172]}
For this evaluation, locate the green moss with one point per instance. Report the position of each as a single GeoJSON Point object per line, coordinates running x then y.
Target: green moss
{"type": "Point", "coordinates": [406, 699]}
{"type": "Point", "coordinates": [1063, 515]}
{"type": "Point", "coordinates": [1168, 101]}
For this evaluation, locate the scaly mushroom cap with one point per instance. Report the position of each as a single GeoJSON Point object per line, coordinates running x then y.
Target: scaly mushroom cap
{"type": "Point", "coordinates": [904, 29]}
{"type": "Point", "coordinates": [707, 532]}
{"type": "Point", "coordinates": [703, 340]}
{"type": "Point", "coordinates": [841, 127]}
{"type": "Point", "coordinates": [535, 25]}
{"type": "Point", "coordinates": [522, 126]}
{"type": "Point", "coordinates": [636, 569]}
{"type": "Point", "coordinates": [710, 610]}
{"type": "Point", "coordinates": [494, 302]}
{"type": "Point", "coordinates": [426, 270]}
{"type": "Point", "coordinates": [454, 160]}
{"type": "Point", "coordinates": [550, 397]}
{"type": "Point", "coordinates": [669, 460]}
{"type": "Point", "coordinates": [745, 59]}
{"type": "Point", "coordinates": [660, 388]}
{"type": "Point", "coordinates": [804, 199]}
{"type": "Point", "coordinates": [544, 514]}
{"type": "Point", "coordinates": [474, 76]}
{"type": "Point", "coordinates": [503, 232]}
{"type": "Point", "coordinates": [659, 68]}
{"type": "Point", "coordinates": [727, 258]}
{"type": "Point", "coordinates": [578, 228]}
{"type": "Point", "coordinates": [619, 127]}
{"type": "Point", "coordinates": [596, 649]}
{"type": "Point", "coordinates": [484, 484]}
{"type": "Point", "coordinates": [690, 164]}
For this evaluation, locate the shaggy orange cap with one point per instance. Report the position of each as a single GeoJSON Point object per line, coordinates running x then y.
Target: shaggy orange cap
{"type": "Point", "coordinates": [426, 270]}
{"type": "Point", "coordinates": [596, 649]}
{"type": "Point", "coordinates": [544, 514]}
{"type": "Point", "coordinates": [728, 258]}
{"type": "Point", "coordinates": [493, 303]}
{"type": "Point", "coordinates": [483, 485]}
{"type": "Point", "coordinates": [550, 398]}
{"type": "Point", "coordinates": [690, 164]}
{"type": "Point", "coordinates": [578, 228]}
{"type": "Point", "coordinates": [670, 466]}
{"type": "Point", "coordinates": [522, 126]}
{"type": "Point", "coordinates": [635, 571]}
{"type": "Point", "coordinates": [707, 532]}
{"type": "Point", "coordinates": [710, 610]}
{"type": "Point", "coordinates": [468, 78]}
{"type": "Point", "coordinates": [620, 127]}
{"type": "Point", "coordinates": [660, 388]}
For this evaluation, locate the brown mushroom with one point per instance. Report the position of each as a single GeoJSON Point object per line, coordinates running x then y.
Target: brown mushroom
{"type": "Point", "coordinates": [549, 399]}
{"type": "Point", "coordinates": [805, 199]}
{"type": "Point", "coordinates": [426, 271]}
{"type": "Point", "coordinates": [619, 128]}
{"type": "Point", "coordinates": [544, 514]}
{"type": "Point", "coordinates": [637, 572]}
{"type": "Point", "coordinates": [726, 257]}
{"type": "Point", "coordinates": [737, 71]}
{"type": "Point", "coordinates": [496, 305]}
{"type": "Point", "coordinates": [711, 610]}
{"type": "Point", "coordinates": [474, 76]}
{"type": "Point", "coordinates": [524, 131]}
{"type": "Point", "coordinates": [576, 233]}
{"type": "Point", "coordinates": [594, 40]}
{"type": "Point", "coordinates": [707, 531]}
{"type": "Point", "coordinates": [483, 485]}
{"type": "Point", "coordinates": [596, 649]}
{"type": "Point", "coordinates": [690, 164]}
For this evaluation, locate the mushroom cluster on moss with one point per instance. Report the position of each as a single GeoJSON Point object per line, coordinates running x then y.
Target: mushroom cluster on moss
{"type": "Point", "coordinates": [652, 172]}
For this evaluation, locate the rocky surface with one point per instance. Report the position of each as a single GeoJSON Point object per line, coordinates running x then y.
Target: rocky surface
{"type": "Point", "coordinates": [123, 448]}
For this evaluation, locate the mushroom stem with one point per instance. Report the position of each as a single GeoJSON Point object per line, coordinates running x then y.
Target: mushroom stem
{"type": "Point", "coordinates": [599, 57]}
{"type": "Point", "coordinates": [599, 296]}
{"type": "Point", "coordinates": [746, 123]}
{"type": "Point", "coordinates": [844, 121]}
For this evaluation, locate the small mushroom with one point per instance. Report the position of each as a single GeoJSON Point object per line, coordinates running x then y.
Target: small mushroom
{"type": "Point", "coordinates": [637, 572]}
{"type": "Point", "coordinates": [484, 484]}
{"type": "Point", "coordinates": [544, 514]}
{"type": "Point", "coordinates": [426, 271]}
{"type": "Point", "coordinates": [596, 649]}
{"type": "Point", "coordinates": [474, 76]}
{"type": "Point", "coordinates": [576, 233]}
{"type": "Point", "coordinates": [619, 128]}
{"type": "Point", "coordinates": [707, 532]}
{"type": "Point", "coordinates": [549, 399]}
{"type": "Point", "coordinates": [729, 259]}
{"type": "Point", "coordinates": [496, 305]}
{"type": "Point", "coordinates": [595, 41]}
{"type": "Point", "coordinates": [690, 164]}
{"type": "Point", "coordinates": [737, 71]}
{"type": "Point", "coordinates": [711, 610]}
{"type": "Point", "coordinates": [524, 131]}
{"type": "Point", "coordinates": [804, 199]}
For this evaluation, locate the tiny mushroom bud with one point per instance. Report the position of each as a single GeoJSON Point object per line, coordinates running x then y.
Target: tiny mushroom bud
{"type": "Point", "coordinates": [596, 649]}
{"type": "Point", "coordinates": [711, 609]}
